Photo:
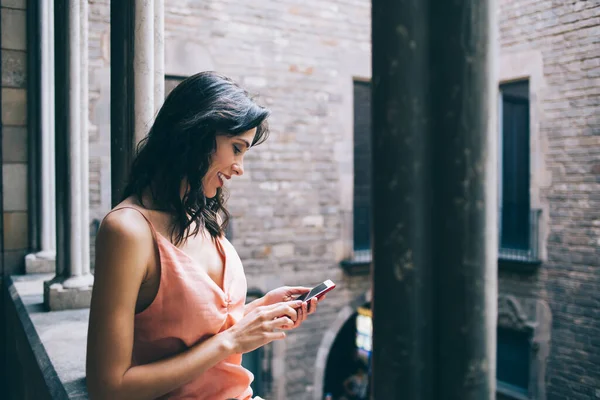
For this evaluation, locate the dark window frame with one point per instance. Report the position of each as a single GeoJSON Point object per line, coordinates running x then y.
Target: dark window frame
{"type": "Point", "coordinates": [362, 170]}
{"type": "Point", "coordinates": [510, 386]}
{"type": "Point", "coordinates": [518, 223]}
{"type": "Point", "coordinates": [172, 78]}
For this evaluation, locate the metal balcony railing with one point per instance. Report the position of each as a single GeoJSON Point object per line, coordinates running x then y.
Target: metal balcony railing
{"type": "Point", "coordinates": [519, 234]}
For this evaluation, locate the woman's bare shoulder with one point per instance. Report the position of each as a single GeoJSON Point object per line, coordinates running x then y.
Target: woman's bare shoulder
{"type": "Point", "coordinates": [125, 221]}
{"type": "Point", "coordinates": [125, 252]}
{"type": "Point", "coordinates": [125, 229]}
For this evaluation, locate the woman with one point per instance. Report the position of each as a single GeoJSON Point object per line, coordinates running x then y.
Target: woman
{"type": "Point", "coordinates": [168, 317]}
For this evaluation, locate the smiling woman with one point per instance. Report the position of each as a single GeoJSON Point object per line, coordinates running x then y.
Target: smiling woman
{"type": "Point", "coordinates": [226, 161]}
{"type": "Point", "coordinates": [206, 121]}
{"type": "Point", "coordinates": [169, 294]}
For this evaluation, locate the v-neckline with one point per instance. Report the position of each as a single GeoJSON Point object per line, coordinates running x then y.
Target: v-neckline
{"type": "Point", "coordinates": [222, 254]}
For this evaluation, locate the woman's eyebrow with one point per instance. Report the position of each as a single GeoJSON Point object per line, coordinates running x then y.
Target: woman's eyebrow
{"type": "Point", "coordinates": [246, 143]}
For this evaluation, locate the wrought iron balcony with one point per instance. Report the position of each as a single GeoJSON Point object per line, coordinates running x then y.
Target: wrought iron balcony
{"type": "Point", "coordinates": [519, 234]}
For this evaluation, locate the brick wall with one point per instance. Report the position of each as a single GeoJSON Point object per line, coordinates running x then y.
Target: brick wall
{"type": "Point", "coordinates": [566, 34]}
{"type": "Point", "coordinates": [14, 134]}
{"type": "Point", "coordinates": [99, 91]}
{"type": "Point", "coordinates": [286, 209]}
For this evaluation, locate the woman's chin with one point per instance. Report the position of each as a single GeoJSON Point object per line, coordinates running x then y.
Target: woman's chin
{"type": "Point", "coordinates": [209, 194]}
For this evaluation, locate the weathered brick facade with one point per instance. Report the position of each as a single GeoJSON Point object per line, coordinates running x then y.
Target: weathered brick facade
{"type": "Point", "coordinates": [14, 134]}
{"type": "Point", "coordinates": [557, 46]}
{"type": "Point", "coordinates": [288, 212]}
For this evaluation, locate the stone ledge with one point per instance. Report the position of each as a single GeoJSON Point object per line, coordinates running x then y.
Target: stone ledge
{"type": "Point", "coordinates": [519, 266]}
{"type": "Point", "coordinates": [354, 267]}
{"type": "Point", "coordinates": [59, 298]}
{"type": "Point", "coordinates": [61, 337]}
{"type": "Point", "coordinates": [40, 263]}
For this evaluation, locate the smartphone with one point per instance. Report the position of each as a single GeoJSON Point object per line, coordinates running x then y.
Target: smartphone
{"type": "Point", "coordinates": [318, 291]}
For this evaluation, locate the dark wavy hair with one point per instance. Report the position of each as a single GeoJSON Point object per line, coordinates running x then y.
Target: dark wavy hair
{"type": "Point", "coordinates": [179, 147]}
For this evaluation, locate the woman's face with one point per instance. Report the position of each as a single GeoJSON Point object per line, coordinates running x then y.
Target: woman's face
{"type": "Point", "coordinates": [226, 161]}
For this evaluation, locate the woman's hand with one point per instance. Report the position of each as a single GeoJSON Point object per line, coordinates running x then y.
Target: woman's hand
{"type": "Point", "coordinates": [261, 326]}
{"type": "Point", "coordinates": [289, 293]}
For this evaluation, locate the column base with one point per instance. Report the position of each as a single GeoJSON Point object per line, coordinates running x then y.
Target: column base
{"type": "Point", "coordinates": [68, 294]}
{"type": "Point", "coordinates": [43, 262]}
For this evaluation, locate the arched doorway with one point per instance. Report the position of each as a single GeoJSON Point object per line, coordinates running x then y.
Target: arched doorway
{"type": "Point", "coordinates": [347, 368]}
{"type": "Point", "coordinates": [344, 350]}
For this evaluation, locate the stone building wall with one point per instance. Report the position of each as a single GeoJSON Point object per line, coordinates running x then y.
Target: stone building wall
{"type": "Point", "coordinates": [14, 134]}
{"type": "Point", "coordinates": [556, 45]}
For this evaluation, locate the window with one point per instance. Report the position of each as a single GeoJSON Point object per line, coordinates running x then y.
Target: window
{"type": "Point", "coordinates": [512, 363]}
{"type": "Point", "coordinates": [362, 170]}
{"type": "Point", "coordinates": [518, 224]}
{"type": "Point", "coordinates": [171, 82]}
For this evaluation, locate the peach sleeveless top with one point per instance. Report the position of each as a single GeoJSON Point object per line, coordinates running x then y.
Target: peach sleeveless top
{"type": "Point", "coordinates": [189, 308]}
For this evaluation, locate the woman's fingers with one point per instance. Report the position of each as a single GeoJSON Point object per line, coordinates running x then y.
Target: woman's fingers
{"type": "Point", "coordinates": [313, 305]}
{"type": "Point", "coordinates": [302, 314]}
{"type": "Point", "coordinates": [283, 309]}
{"type": "Point", "coordinates": [297, 289]}
{"type": "Point", "coordinates": [295, 311]}
{"type": "Point", "coordinates": [280, 323]}
{"type": "Point", "coordinates": [271, 336]}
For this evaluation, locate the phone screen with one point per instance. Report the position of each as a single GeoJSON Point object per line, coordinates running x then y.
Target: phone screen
{"type": "Point", "coordinates": [313, 292]}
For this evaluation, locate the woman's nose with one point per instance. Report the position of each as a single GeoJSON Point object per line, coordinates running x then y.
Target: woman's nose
{"type": "Point", "coordinates": [238, 169]}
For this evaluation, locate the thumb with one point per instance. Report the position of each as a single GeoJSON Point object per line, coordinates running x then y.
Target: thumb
{"type": "Point", "coordinates": [298, 289]}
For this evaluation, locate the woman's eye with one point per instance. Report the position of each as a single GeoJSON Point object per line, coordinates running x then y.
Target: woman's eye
{"type": "Point", "coordinates": [236, 150]}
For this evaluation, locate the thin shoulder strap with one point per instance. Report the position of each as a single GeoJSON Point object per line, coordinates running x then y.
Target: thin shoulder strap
{"type": "Point", "coordinates": [138, 210]}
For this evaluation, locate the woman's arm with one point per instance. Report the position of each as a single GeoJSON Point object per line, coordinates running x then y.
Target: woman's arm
{"type": "Point", "coordinates": [124, 249]}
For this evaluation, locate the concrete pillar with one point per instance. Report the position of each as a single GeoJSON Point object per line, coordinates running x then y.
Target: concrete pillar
{"type": "Point", "coordinates": [71, 287]}
{"type": "Point", "coordinates": [44, 260]}
{"type": "Point", "coordinates": [137, 80]}
{"type": "Point", "coordinates": [434, 199]}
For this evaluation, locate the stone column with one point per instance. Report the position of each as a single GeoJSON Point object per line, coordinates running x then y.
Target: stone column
{"type": "Point", "coordinates": [84, 165]}
{"type": "Point", "coordinates": [71, 287]}
{"type": "Point", "coordinates": [44, 260]}
{"type": "Point", "coordinates": [434, 199]}
{"type": "Point", "coordinates": [121, 95]}
{"type": "Point", "coordinates": [159, 54]}
{"type": "Point", "coordinates": [137, 80]}
{"type": "Point", "coordinates": [143, 70]}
